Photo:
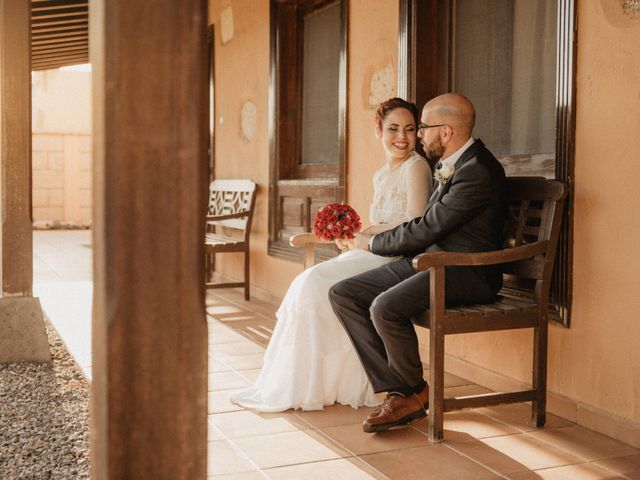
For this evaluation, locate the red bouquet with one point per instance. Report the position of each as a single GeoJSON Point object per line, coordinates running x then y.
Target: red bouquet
{"type": "Point", "coordinates": [336, 220]}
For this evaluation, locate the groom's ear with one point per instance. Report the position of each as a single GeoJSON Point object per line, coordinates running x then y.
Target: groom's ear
{"type": "Point", "coordinates": [446, 133]}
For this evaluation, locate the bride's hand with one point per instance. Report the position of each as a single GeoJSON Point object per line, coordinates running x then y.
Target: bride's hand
{"type": "Point", "coordinates": [341, 243]}
{"type": "Point", "coordinates": [361, 241]}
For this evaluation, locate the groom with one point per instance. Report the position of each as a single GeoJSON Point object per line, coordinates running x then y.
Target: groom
{"type": "Point", "coordinates": [466, 213]}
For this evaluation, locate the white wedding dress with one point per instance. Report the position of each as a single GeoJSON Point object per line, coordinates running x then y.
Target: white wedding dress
{"type": "Point", "coordinates": [310, 361]}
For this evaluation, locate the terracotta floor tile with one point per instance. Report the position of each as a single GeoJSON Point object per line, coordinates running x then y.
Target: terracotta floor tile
{"type": "Point", "coordinates": [241, 362]}
{"type": "Point", "coordinates": [249, 424]}
{"type": "Point", "coordinates": [223, 458]}
{"type": "Point", "coordinates": [518, 415]}
{"type": "Point", "coordinates": [216, 366]}
{"type": "Point", "coordinates": [250, 375]}
{"type": "Point", "coordinates": [335, 415]}
{"type": "Point", "coordinates": [213, 432]}
{"type": "Point", "coordinates": [627, 466]}
{"type": "Point", "coordinates": [584, 443]}
{"type": "Point", "coordinates": [222, 309]}
{"type": "Point", "coordinates": [450, 380]}
{"type": "Point", "coordinates": [583, 471]}
{"type": "Point", "coordinates": [355, 440]}
{"type": "Point", "coordinates": [486, 455]}
{"type": "Point", "coordinates": [245, 347]}
{"type": "Point", "coordinates": [255, 329]}
{"type": "Point", "coordinates": [229, 336]}
{"type": "Point", "coordinates": [343, 469]}
{"type": "Point", "coordinates": [218, 402]}
{"type": "Point", "coordinates": [225, 381]}
{"type": "Point", "coordinates": [530, 452]}
{"type": "Point", "coordinates": [214, 327]}
{"type": "Point", "coordinates": [464, 390]}
{"type": "Point", "coordinates": [289, 448]}
{"type": "Point", "coordinates": [435, 461]}
{"type": "Point", "coordinates": [230, 319]}
{"type": "Point", "coordinates": [466, 425]}
{"type": "Point", "coordinates": [257, 475]}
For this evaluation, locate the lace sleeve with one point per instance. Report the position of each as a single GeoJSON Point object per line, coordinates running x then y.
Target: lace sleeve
{"type": "Point", "coordinates": [419, 186]}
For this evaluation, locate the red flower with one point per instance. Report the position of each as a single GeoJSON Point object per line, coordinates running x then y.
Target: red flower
{"type": "Point", "coordinates": [336, 220]}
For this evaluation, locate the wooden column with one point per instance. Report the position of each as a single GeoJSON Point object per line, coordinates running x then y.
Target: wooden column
{"type": "Point", "coordinates": [15, 100]}
{"type": "Point", "coordinates": [22, 334]}
{"type": "Point", "coordinates": [149, 390]}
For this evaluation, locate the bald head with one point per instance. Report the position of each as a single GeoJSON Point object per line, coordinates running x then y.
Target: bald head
{"type": "Point", "coordinates": [454, 115]}
{"type": "Point", "coordinates": [454, 110]}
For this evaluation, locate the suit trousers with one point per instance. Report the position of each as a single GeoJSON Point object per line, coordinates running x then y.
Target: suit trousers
{"type": "Point", "coordinates": [376, 308]}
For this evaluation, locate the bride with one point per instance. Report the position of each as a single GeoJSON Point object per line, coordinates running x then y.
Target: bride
{"type": "Point", "coordinates": [310, 361]}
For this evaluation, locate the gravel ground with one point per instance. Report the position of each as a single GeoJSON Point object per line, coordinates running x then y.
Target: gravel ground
{"type": "Point", "coordinates": [44, 432]}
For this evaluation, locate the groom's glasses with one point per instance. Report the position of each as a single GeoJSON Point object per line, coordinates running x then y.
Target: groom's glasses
{"type": "Point", "coordinates": [423, 126]}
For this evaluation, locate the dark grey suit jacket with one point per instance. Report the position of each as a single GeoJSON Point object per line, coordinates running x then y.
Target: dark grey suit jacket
{"type": "Point", "coordinates": [466, 215]}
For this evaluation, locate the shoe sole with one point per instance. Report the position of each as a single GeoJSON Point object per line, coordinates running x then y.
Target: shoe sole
{"type": "Point", "coordinates": [404, 421]}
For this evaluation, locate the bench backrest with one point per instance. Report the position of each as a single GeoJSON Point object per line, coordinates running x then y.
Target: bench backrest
{"type": "Point", "coordinates": [229, 197]}
{"type": "Point", "coordinates": [535, 214]}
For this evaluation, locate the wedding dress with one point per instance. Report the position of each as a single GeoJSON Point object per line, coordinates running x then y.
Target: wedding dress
{"type": "Point", "coordinates": [310, 361]}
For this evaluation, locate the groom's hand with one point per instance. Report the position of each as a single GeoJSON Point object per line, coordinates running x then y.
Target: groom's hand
{"type": "Point", "coordinates": [361, 241]}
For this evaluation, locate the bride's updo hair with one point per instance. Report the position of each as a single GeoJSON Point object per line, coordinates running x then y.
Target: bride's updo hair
{"type": "Point", "coordinates": [389, 105]}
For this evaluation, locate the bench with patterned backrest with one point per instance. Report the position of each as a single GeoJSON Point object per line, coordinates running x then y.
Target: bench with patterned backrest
{"type": "Point", "coordinates": [531, 237]}
{"type": "Point", "coordinates": [228, 226]}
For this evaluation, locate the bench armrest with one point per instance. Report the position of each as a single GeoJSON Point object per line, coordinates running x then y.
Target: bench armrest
{"type": "Point", "coordinates": [300, 239]}
{"type": "Point", "coordinates": [228, 216]}
{"type": "Point", "coordinates": [428, 260]}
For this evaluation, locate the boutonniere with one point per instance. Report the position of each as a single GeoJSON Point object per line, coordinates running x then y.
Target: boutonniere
{"type": "Point", "coordinates": [443, 173]}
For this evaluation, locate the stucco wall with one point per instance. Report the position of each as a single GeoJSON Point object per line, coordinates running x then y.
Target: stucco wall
{"type": "Point", "coordinates": [242, 74]}
{"type": "Point", "coordinates": [594, 365]}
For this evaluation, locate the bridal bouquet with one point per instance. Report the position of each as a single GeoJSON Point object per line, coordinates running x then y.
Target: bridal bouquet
{"type": "Point", "coordinates": [336, 220]}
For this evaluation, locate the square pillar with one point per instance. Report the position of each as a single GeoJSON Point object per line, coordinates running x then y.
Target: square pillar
{"type": "Point", "coordinates": [149, 389]}
{"type": "Point", "coordinates": [22, 333]}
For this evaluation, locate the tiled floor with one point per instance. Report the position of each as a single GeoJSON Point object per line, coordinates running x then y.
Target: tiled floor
{"type": "Point", "coordinates": [482, 443]}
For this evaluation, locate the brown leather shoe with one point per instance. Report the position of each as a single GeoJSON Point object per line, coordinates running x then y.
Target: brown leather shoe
{"type": "Point", "coordinates": [423, 395]}
{"type": "Point", "coordinates": [395, 411]}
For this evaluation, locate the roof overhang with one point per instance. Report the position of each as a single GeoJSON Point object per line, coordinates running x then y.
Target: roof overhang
{"type": "Point", "coordinates": [59, 33]}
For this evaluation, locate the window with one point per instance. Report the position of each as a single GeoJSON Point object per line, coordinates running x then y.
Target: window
{"type": "Point", "coordinates": [514, 59]}
{"type": "Point", "coordinates": [308, 115]}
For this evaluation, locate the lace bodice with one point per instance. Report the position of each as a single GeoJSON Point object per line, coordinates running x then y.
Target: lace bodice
{"type": "Point", "coordinates": [390, 193]}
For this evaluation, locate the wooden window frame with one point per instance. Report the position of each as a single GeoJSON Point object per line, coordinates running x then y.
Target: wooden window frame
{"type": "Point", "coordinates": [424, 58]}
{"type": "Point", "coordinates": [289, 180]}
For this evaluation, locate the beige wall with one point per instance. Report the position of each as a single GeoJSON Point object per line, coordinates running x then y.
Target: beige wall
{"type": "Point", "coordinates": [61, 128]}
{"type": "Point", "coordinates": [242, 74]}
{"type": "Point", "coordinates": [594, 366]}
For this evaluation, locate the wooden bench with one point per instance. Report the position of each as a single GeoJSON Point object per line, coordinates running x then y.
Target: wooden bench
{"type": "Point", "coordinates": [229, 217]}
{"type": "Point", "coordinates": [532, 230]}
{"type": "Point", "coordinates": [531, 236]}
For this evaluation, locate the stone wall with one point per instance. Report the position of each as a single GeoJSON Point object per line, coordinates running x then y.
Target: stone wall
{"type": "Point", "coordinates": [61, 180]}
{"type": "Point", "coordinates": [61, 141]}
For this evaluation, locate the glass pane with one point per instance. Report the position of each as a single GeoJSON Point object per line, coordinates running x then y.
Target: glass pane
{"type": "Point", "coordinates": [321, 61]}
{"type": "Point", "coordinates": [505, 62]}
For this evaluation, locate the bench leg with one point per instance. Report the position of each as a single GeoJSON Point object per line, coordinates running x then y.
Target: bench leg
{"type": "Point", "coordinates": [209, 266]}
{"type": "Point", "coordinates": [539, 405]}
{"type": "Point", "coordinates": [246, 274]}
{"type": "Point", "coordinates": [436, 385]}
